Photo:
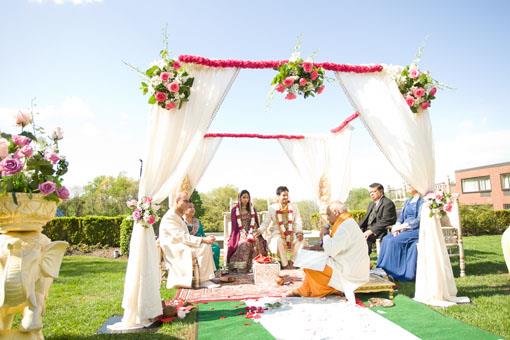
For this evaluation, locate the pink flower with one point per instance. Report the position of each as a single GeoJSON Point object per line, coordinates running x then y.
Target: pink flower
{"type": "Point", "coordinates": [418, 92]}
{"type": "Point", "coordinates": [169, 105]}
{"type": "Point", "coordinates": [62, 193]}
{"type": "Point", "coordinates": [47, 188]}
{"type": "Point", "coordinates": [136, 215]}
{"type": "Point", "coordinates": [11, 166]}
{"type": "Point", "coordinates": [4, 148]}
{"type": "Point", "coordinates": [314, 75]}
{"type": "Point", "coordinates": [439, 195]}
{"type": "Point", "coordinates": [176, 65]}
{"type": "Point", "coordinates": [173, 87]}
{"type": "Point", "coordinates": [320, 89]}
{"type": "Point", "coordinates": [147, 199]}
{"type": "Point", "coordinates": [23, 119]}
{"type": "Point", "coordinates": [307, 66]}
{"type": "Point", "coordinates": [27, 151]}
{"type": "Point", "coordinates": [290, 96]}
{"type": "Point", "coordinates": [302, 81]}
{"type": "Point", "coordinates": [425, 105]}
{"type": "Point", "coordinates": [280, 88]}
{"type": "Point", "coordinates": [132, 203]}
{"type": "Point", "coordinates": [432, 91]}
{"type": "Point", "coordinates": [164, 76]}
{"type": "Point", "coordinates": [448, 207]}
{"type": "Point", "coordinates": [410, 100]}
{"type": "Point", "coordinates": [414, 73]}
{"type": "Point", "coordinates": [51, 156]}
{"type": "Point", "coordinates": [289, 81]}
{"type": "Point", "coordinates": [21, 140]}
{"type": "Point", "coordinates": [151, 219]}
{"type": "Point", "coordinates": [161, 97]}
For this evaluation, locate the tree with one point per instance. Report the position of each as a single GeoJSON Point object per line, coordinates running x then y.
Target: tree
{"type": "Point", "coordinates": [197, 202]}
{"type": "Point", "coordinates": [215, 203]}
{"type": "Point", "coordinates": [104, 195]}
{"type": "Point", "coordinates": [358, 199]}
{"type": "Point", "coordinates": [306, 210]}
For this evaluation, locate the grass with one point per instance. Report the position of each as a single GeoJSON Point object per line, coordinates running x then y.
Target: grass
{"type": "Point", "coordinates": [487, 284]}
{"type": "Point", "coordinates": [89, 291]}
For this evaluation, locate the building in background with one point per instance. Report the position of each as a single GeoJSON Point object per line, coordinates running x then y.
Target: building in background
{"type": "Point", "coordinates": [489, 184]}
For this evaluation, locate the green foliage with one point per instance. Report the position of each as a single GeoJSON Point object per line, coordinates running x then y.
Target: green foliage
{"type": "Point", "coordinates": [358, 199]}
{"type": "Point", "coordinates": [482, 220]}
{"type": "Point", "coordinates": [197, 201]}
{"type": "Point", "coordinates": [306, 210]}
{"type": "Point", "coordinates": [91, 230]}
{"type": "Point", "coordinates": [126, 229]}
{"type": "Point", "coordinates": [103, 196]}
{"type": "Point", "coordinates": [358, 215]}
{"type": "Point", "coordinates": [215, 203]}
{"type": "Point", "coordinates": [260, 204]}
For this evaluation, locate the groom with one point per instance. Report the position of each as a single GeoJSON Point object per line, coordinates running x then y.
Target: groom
{"type": "Point", "coordinates": [283, 228]}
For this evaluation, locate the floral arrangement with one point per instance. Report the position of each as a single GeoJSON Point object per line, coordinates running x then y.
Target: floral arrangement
{"type": "Point", "coordinates": [439, 203]}
{"type": "Point", "coordinates": [286, 229]}
{"type": "Point", "coordinates": [30, 161]}
{"type": "Point", "coordinates": [145, 211]}
{"type": "Point", "coordinates": [167, 82]}
{"type": "Point", "coordinates": [299, 77]}
{"type": "Point", "coordinates": [250, 237]}
{"type": "Point", "coordinates": [417, 87]}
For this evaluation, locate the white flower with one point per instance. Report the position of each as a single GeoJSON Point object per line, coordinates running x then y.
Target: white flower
{"type": "Point", "coordinates": [155, 81]}
{"type": "Point", "coordinates": [294, 56]}
{"type": "Point", "coordinates": [57, 134]}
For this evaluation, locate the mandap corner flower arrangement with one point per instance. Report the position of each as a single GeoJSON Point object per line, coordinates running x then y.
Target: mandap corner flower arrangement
{"type": "Point", "coordinates": [439, 203]}
{"type": "Point", "coordinates": [145, 211]}
{"type": "Point", "coordinates": [167, 82]}
{"type": "Point", "coordinates": [417, 87]}
{"type": "Point", "coordinates": [30, 162]}
{"type": "Point", "coordinates": [299, 77]}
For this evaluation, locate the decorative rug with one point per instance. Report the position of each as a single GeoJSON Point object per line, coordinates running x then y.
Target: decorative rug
{"type": "Point", "coordinates": [243, 288]}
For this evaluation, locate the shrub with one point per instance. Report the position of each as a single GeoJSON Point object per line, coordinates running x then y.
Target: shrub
{"type": "Point", "coordinates": [482, 220]}
{"type": "Point", "coordinates": [90, 230]}
{"type": "Point", "coordinates": [126, 229]}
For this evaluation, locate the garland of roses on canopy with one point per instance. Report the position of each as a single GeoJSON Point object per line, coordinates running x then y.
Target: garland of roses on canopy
{"type": "Point", "coordinates": [176, 141]}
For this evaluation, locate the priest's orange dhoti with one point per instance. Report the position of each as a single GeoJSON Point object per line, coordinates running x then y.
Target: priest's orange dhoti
{"type": "Point", "coordinates": [315, 283]}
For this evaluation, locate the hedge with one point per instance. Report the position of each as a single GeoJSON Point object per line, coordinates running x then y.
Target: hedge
{"type": "Point", "coordinates": [126, 229]}
{"type": "Point", "coordinates": [481, 220]}
{"type": "Point", "coordinates": [90, 230]}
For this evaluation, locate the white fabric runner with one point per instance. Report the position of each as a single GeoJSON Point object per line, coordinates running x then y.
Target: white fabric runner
{"type": "Point", "coordinates": [331, 318]}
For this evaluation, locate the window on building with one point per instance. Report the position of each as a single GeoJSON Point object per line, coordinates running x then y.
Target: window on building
{"type": "Point", "coordinates": [476, 184]}
{"type": "Point", "coordinates": [505, 181]}
{"type": "Point", "coordinates": [506, 206]}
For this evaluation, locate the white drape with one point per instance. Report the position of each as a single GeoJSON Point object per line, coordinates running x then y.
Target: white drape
{"type": "Point", "coordinates": [173, 136]}
{"type": "Point", "coordinates": [323, 162]}
{"type": "Point", "coordinates": [405, 139]}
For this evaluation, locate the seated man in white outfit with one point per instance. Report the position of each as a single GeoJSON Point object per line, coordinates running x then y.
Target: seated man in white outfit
{"type": "Point", "coordinates": [283, 228]}
{"type": "Point", "coordinates": [179, 248]}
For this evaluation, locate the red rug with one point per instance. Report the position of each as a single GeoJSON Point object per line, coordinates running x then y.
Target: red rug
{"type": "Point", "coordinates": [243, 288]}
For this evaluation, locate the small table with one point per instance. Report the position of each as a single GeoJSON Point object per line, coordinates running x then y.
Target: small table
{"type": "Point", "coordinates": [377, 284]}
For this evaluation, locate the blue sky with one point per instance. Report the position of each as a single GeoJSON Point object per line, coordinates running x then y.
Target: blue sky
{"type": "Point", "coordinates": [68, 54]}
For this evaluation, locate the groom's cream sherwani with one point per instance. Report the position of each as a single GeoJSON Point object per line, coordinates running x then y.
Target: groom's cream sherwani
{"type": "Point", "coordinates": [270, 230]}
{"type": "Point", "coordinates": [179, 248]}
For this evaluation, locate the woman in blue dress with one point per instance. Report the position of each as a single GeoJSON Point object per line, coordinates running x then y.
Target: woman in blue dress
{"type": "Point", "coordinates": [398, 253]}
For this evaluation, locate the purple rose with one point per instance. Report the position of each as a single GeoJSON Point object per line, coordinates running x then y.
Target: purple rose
{"type": "Point", "coordinates": [51, 156]}
{"type": "Point", "coordinates": [47, 188]}
{"type": "Point", "coordinates": [63, 193]}
{"type": "Point", "coordinates": [137, 215]}
{"type": "Point", "coordinates": [26, 151]}
{"type": "Point", "coordinates": [11, 166]}
{"type": "Point", "coordinates": [21, 140]}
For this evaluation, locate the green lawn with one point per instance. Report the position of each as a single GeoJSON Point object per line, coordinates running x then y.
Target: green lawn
{"type": "Point", "coordinates": [89, 291]}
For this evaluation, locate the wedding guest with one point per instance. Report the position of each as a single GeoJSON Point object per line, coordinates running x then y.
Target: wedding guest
{"type": "Point", "coordinates": [398, 253]}
{"type": "Point", "coordinates": [348, 262]}
{"type": "Point", "coordinates": [180, 248]}
{"type": "Point", "coordinates": [196, 228]}
{"type": "Point", "coordinates": [284, 228]}
{"type": "Point", "coordinates": [381, 214]}
{"type": "Point", "coordinates": [243, 244]}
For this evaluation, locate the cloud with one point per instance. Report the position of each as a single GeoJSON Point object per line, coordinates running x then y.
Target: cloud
{"type": "Point", "coordinates": [63, 2]}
